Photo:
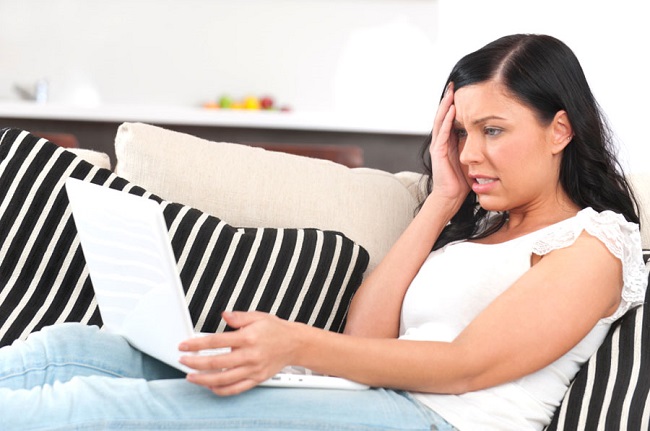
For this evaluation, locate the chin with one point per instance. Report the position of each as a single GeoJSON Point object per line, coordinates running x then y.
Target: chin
{"type": "Point", "coordinates": [492, 204]}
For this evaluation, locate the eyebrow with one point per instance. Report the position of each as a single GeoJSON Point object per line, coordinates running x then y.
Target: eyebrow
{"type": "Point", "coordinates": [480, 120]}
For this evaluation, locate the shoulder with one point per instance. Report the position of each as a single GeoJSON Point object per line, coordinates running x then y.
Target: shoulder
{"type": "Point", "coordinates": [618, 234]}
{"type": "Point", "coordinates": [619, 237]}
{"type": "Point", "coordinates": [612, 229]}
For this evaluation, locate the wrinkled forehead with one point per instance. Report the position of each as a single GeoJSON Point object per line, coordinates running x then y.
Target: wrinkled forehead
{"type": "Point", "coordinates": [486, 100]}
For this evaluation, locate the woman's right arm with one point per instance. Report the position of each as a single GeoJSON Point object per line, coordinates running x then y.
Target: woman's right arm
{"type": "Point", "coordinates": [376, 307]}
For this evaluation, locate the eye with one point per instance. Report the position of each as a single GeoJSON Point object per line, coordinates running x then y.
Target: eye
{"type": "Point", "coordinates": [492, 131]}
{"type": "Point", "coordinates": [460, 133]}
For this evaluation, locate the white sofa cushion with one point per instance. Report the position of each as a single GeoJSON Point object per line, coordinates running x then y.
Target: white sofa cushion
{"type": "Point", "coordinates": [641, 185]}
{"type": "Point", "coordinates": [95, 157]}
{"type": "Point", "coordinates": [251, 187]}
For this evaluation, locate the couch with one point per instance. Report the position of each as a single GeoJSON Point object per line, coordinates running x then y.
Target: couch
{"type": "Point", "coordinates": [314, 225]}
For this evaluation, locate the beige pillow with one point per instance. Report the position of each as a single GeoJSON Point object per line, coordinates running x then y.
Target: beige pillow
{"type": "Point", "coordinates": [251, 187]}
{"type": "Point", "coordinates": [641, 185]}
{"type": "Point", "coordinates": [95, 157]}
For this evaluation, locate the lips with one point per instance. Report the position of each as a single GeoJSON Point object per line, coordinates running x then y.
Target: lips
{"type": "Point", "coordinates": [483, 184]}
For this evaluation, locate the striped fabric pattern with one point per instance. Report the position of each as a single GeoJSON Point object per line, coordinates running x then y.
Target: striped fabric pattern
{"type": "Point", "coordinates": [611, 391]}
{"type": "Point", "coordinates": [306, 275]}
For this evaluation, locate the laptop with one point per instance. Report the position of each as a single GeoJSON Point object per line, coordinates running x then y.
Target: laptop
{"type": "Point", "coordinates": [138, 289]}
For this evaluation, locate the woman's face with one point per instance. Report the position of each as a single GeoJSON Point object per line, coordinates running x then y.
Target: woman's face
{"type": "Point", "coordinates": [506, 153]}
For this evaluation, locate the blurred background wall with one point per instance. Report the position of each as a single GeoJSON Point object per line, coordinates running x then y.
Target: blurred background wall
{"type": "Point", "coordinates": [367, 58]}
{"type": "Point", "coordinates": [317, 55]}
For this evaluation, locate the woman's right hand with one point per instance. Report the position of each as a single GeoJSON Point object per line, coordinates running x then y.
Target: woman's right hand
{"type": "Point", "coordinates": [376, 307]}
{"type": "Point", "coordinates": [449, 181]}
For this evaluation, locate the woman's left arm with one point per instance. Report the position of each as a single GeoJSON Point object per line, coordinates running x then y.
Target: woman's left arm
{"type": "Point", "coordinates": [555, 305]}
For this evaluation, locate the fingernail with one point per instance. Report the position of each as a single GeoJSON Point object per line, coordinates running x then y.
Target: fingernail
{"type": "Point", "coordinates": [448, 87]}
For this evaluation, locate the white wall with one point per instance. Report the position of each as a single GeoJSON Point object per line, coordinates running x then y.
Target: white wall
{"type": "Point", "coordinates": [317, 55]}
{"type": "Point", "coordinates": [372, 57]}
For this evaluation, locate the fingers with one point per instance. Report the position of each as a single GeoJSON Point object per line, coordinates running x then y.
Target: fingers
{"type": "Point", "coordinates": [236, 319]}
{"type": "Point", "coordinates": [234, 389]}
{"type": "Point", "coordinates": [447, 125]}
{"type": "Point", "coordinates": [443, 109]}
{"type": "Point", "coordinates": [206, 342]}
{"type": "Point", "coordinates": [252, 358]}
{"type": "Point", "coordinates": [227, 374]}
{"type": "Point", "coordinates": [227, 382]}
{"type": "Point", "coordinates": [234, 358]}
{"type": "Point", "coordinates": [440, 142]}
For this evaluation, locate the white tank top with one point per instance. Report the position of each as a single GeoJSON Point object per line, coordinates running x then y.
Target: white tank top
{"type": "Point", "coordinates": [459, 280]}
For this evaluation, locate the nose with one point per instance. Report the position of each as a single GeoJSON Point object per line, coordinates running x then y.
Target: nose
{"type": "Point", "coordinates": [470, 151]}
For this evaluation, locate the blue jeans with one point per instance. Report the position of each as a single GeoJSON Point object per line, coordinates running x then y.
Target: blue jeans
{"type": "Point", "coordinates": [77, 377]}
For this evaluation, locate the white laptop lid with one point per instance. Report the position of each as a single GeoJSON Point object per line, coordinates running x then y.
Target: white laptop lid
{"type": "Point", "coordinates": [132, 267]}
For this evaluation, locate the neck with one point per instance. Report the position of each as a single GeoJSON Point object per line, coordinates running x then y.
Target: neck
{"type": "Point", "coordinates": [537, 216]}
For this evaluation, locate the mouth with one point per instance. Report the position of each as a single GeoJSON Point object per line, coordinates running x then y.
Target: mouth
{"type": "Point", "coordinates": [483, 184]}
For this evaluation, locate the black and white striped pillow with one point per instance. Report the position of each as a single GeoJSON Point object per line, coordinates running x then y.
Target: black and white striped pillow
{"type": "Point", "coordinates": [307, 275]}
{"type": "Point", "coordinates": [611, 391]}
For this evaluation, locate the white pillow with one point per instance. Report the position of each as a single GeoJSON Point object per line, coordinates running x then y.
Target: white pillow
{"type": "Point", "coordinates": [251, 187]}
{"type": "Point", "coordinates": [641, 185]}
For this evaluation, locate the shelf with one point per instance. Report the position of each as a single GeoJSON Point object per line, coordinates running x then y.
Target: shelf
{"type": "Point", "coordinates": [189, 116]}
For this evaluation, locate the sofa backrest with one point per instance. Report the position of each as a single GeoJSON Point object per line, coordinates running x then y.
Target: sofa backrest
{"type": "Point", "coordinates": [641, 185]}
{"type": "Point", "coordinates": [241, 185]}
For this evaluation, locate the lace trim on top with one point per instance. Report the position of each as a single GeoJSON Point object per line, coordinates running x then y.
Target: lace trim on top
{"type": "Point", "coordinates": [622, 239]}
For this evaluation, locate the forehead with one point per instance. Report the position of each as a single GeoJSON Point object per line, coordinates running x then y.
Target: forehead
{"type": "Point", "coordinates": [487, 99]}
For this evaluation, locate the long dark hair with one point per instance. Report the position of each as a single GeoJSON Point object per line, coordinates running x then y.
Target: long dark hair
{"type": "Point", "coordinates": [545, 75]}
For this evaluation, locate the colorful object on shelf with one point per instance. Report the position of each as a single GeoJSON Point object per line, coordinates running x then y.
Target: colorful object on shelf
{"type": "Point", "coordinates": [252, 102]}
{"type": "Point", "coordinates": [249, 103]}
{"type": "Point", "coordinates": [225, 102]}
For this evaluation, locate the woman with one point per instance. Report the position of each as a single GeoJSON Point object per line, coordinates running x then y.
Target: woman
{"type": "Point", "coordinates": [536, 251]}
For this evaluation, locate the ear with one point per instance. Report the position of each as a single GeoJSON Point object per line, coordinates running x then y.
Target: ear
{"type": "Point", "coordinates": [561, 132]}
